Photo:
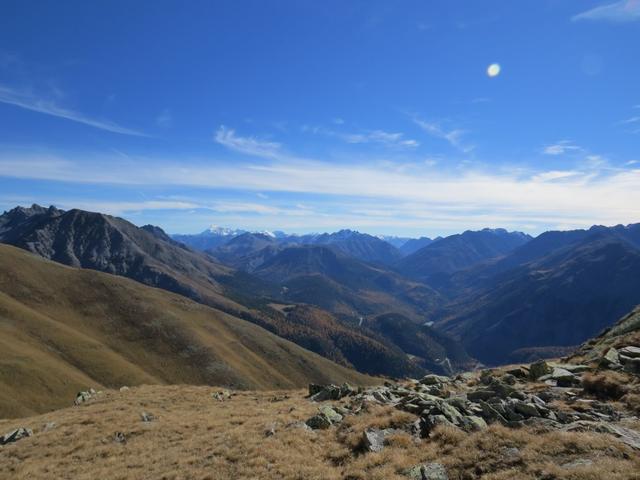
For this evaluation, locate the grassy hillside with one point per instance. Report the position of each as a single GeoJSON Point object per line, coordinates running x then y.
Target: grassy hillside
{"type": "Point", "coordinates": [64, 329]}
{"type": "Point", "coordinates": [261, 435]}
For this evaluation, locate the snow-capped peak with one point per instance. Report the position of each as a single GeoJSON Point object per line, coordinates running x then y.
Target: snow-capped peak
{"type": "Point", "coordinates": [223, 231]}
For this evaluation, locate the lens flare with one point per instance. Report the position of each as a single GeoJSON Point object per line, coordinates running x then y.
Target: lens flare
{"type": "Point", "coordinates": [493, 70]}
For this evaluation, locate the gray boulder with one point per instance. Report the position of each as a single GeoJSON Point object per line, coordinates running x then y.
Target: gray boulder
{"type": "Point", "coordinates": [84, 396]}
{"type": "Point", "coordinates": [434, 379]}
{"type": "Point", "coordinates": [611, 358]}
{"type": "Point", "coordinates": [633, 352]}
{"type": "Point", "coordinates": [539, 369]}
{"type": "Point", "coordinates": [15, 435]}
{"type": "Point", "coordinates": [428, 471]}
{"type": "Point", "coordinates": [331, 414]}
{"type": "Point", "coordinates": [319, 422]}
{"type": "Point", "coordinates": [373, 439]}
{"type": "Point", "coordinates": [147, 417]}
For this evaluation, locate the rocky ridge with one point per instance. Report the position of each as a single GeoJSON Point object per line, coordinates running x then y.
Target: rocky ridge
{"type": "Point", "coordinates": [559, 396]}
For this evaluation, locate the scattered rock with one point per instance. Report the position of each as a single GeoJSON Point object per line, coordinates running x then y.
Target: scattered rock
{"type": "Point", "coordinates": [49, 426]}
{"type": "Point", "coordinates": [611, 358]}
{"type": "Point", "coordinates": [221, 395]}
{"type": "Point", "coordinates": [539, 369]}
{"type": "Point", "coordinates": [519, 372]}
{"type": "Point", "coordinates": [428, 471]}
{"type": "Point", "coordinates": [15, 435]}
{"type": "Point", "coordinates": [147, 417]}
{"type": "Point", "coordinates": [511, 454]}
{"type": "Point", "coordinates": [331, 414]}
{"type": "Point", "coordinates": [319, 422]}
{"type": "Point", "coordinates": [85, 396]}
{"type": "Point", "coordinates": [434, 380]}
{"type": "Point", "coordinates": [321, 393]}
{"type": "Point", "coordinates": [561, 377]}
{"type": "Point", "coordinates": [633, 352]}
{"type": "Point", "coordinates": [630, 364]}
{"type": "Point", "coordinates": [580, 462]}
{"type": "Point", "coordinates": [270, 431]}
{"type": "Point", "coordinates": [625, 435]}
{"type": "Point", "coordinates": [124, 389]}
{"type": "Point", "coordinates": [472, 423]}
{"type": "Point", "coordinates": [373, 439]}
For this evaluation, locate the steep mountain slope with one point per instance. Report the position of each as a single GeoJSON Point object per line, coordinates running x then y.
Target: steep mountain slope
{"type": "Point", "coordinates": [394, 240]}
{"type": "Point", "coordinates": [113, 245]}
{"type": "Point", "coordinates": [350, 345]}
{"type": "Point", "coordinates": [246, 251]}
{"type": "Point", "coordinates": [64, 329]}
{"type": "Point", "coordinates": [485, 275]}
{"type": "Point", "coordinates": [432, 350]}
{"type": "Point", "coordinates": [321, 276]}
{"type": "Point", "coordinates": [560, 299]}
{"type": "Point", "coordinates": [625, 332]}
{"type": "Point", "coordinates": [414, 244]}
{"type": "Point", "coordinates": [433, 263]}
{"type": "Point", "coordinates": [357, 245]}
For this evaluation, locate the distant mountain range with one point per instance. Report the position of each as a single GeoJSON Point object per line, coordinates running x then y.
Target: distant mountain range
{"type": "Point", "coordinates": [437, 260]}
{"type": "Point", "coordinates": [390, 306]}
{"type": "Point", "coordinates": [146, 254]}
{"type": "Point", "coordinates": [556, 290]}
{"type": "Point", "coordinates": [359, 245]}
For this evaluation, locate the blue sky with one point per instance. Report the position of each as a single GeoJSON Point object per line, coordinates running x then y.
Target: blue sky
{"type": "Point", "coordinates": [315, 116]}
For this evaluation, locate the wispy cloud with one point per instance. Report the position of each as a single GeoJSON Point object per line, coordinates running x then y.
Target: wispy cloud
{"type": "Point", "coordinates": [29, 101]}
{"type": "Point", "coordinates": [617, 12]}
{"type": "Point", "coordinates": [247, 145]}
{"type": "Point", "coordinates": [454, 136]}
{"type": "Point", "coordinates": [165, 119]}
{"type": "Point", "coordinates": [593, 194]}
{"type": "Point", "coordinates": [554, 175]}
{"type": "Point", "coordinates": [630, 120]}
{"type": "Point", "coordinates": [392, 139]}
{"type": "Point", "coordinates": [561, 147]}
{"type": "Point", "coordinates": [380, 137]}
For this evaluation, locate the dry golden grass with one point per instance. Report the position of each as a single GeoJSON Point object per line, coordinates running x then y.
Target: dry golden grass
{"type": "Point", "coordinates": [197, 437]}
{"type": "Point", "coordinates": [606, 384]}
{"type": "Point", "coordinates": [64, 329]}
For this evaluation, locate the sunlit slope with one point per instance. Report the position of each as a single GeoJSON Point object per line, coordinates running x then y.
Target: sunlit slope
{"type": "Point", "coordinates": [63, 329]}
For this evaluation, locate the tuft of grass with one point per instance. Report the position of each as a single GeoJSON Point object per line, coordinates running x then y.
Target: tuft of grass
{"type": "Point", "coordinates": [605, 385]}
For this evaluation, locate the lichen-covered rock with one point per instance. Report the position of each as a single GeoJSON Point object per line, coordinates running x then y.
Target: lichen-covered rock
{"type": "Point", "coordinates": [319, 422]}
{"type": "Point", "coordinates": [331, 414]}
{"type": "Point", "coordinates": [428, 471]}
{"type": "Point", "coordinates": [539, 369]}
{"type": "Point", "coordinates": [373, 439]}
{"type": "Point", "coordinates": [434, 379]}
{"type": "Point", "coordinates": [611, 358]}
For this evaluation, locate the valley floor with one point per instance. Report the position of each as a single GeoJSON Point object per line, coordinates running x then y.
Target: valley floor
{"type": "Point", "coordinates": [198, 433]}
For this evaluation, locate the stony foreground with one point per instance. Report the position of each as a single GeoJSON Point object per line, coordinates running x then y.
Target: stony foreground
{"type": "Point", "coordinates": [542, 421]}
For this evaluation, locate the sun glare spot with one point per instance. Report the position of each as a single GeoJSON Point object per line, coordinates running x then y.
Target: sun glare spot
{"type": "Point", "coordinates": [493, 70]}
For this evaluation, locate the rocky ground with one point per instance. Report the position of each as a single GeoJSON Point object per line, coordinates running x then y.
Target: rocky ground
{"type": "Point", "coordinates": [572, 419]}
